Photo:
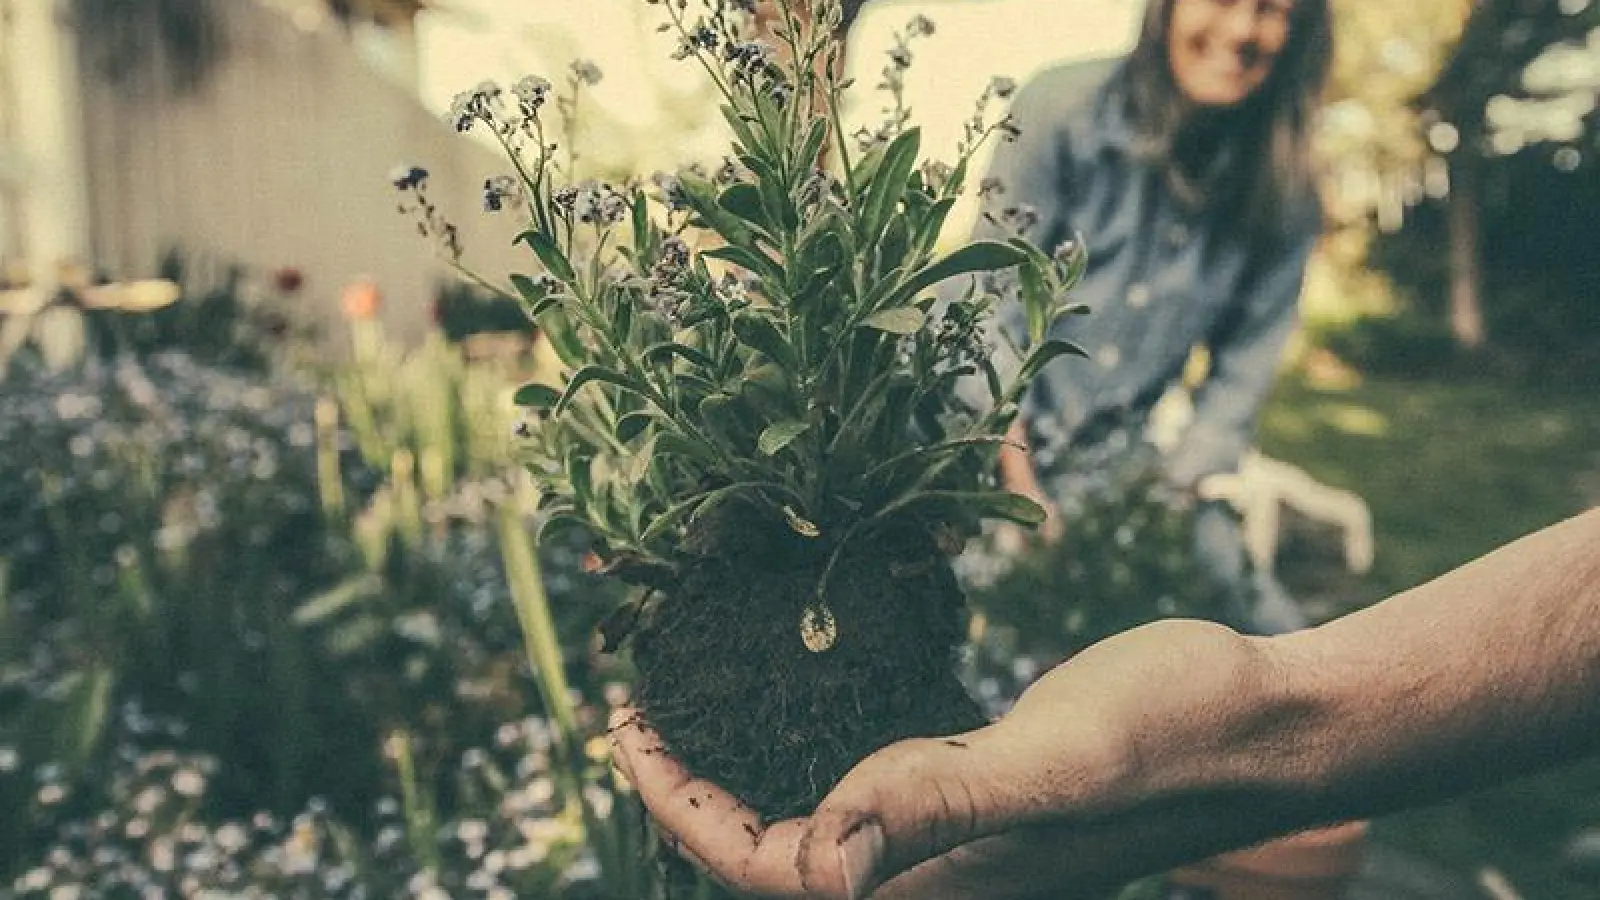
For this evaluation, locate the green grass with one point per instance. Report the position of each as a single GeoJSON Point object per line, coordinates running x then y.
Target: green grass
{"type": "Point", "coordinates": [1451, 470]}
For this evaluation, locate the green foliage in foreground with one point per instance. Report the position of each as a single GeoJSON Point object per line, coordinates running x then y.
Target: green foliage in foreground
{"type": "Point", "coordinates": [769, 334]}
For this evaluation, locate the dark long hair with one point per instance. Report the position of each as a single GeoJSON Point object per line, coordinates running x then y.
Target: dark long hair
{"type": "Point", "coordinates": [1269, 177]}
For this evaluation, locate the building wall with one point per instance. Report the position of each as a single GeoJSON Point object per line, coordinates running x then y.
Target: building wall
{"type": "Point", "coordinates": [280, 157]}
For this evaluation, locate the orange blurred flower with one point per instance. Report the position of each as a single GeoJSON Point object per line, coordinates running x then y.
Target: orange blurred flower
{"type": "Point", "coordinates": [361, 300]}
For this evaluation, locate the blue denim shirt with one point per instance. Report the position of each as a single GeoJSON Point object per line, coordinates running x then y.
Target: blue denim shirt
{"type": "Point", "coordinates": [1161, 279]}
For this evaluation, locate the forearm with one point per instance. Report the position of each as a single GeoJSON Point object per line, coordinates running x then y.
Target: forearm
{"type": "Point", "coordinates": [1488, 672]}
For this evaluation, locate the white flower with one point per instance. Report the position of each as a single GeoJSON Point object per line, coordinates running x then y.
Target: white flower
{"type": "Point", "coordinates": [531, 91]}
{"type": "Point", "coordinates": [470, 106]}
{"type": "Point", "coordinates": [472, 830]}
{"type": "Point", "coordinates": [188, 782]}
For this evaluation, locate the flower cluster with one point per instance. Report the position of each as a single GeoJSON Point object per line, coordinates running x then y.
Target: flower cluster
{"type": "Point", "coordinates": [593, 203]}
{"type": "Point", "coordinates": [771, 328]}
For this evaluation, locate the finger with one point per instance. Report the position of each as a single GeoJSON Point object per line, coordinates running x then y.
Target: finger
{"type": "Point", "coordinates": [909, 802]}
{"type": "Point", "coordinates": [724, 837]}
{"type": "Point", "coordinates": [1022, 863]}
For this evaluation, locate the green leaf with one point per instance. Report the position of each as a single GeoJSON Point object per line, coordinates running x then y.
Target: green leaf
{"type": "Point", "coordinates": [588, 374]}
{"type": "Point", "coordinates": [564, 338]}
{"type": "Point", "coordinates": [759, 332]}
{"type": "Point", "coordinates": [535, 299]}
{"type": "Point", "coordinates": [744, 201]}
{"type": "Point", "coordinates": [641, 224]}
{"type": "Point", "coordinates": [1037, 358]}
{"type": "Point", "coordinates": [812, 147]}
{"type": "Point", "coordinates": [622, 315]}
{"type": "Point", "coordinates": [630, 425]}
{"type": "Point", "coordinates": [889, 182]}
{"type": "Point", "coordinates": [557, 518]}
{"type": "Point", "coordinates": [702, 198]}
{"type": "Point", "coordinates": [958, 178]}
{"type": "Point", "coordinates": [580, 477]}
{"type": "Point", "coordinates": [528, 289]}
{"type": "Point", "coordinates": [549, 254]}
{"type": "Point", "coordinates": [922, 456]}
{"type": "Point", "coordinates": [900, 320]}
{"type": "Point", "coordinates": [893, 245]}
{"type": "Point", "coordinates": [667, 518]}
{"type": "Point", "coordinates": [779, 435]}
{"type": "Point", "coordinates": [754, 260]}
{"type": "Point", "coordinates": [928, 231]}
{"type": "Point", "coordinates": [721, 415]}
{"type": "Point", "coordinates": [775, 202]}
{"type": "Point", "coordinates": [665, 350]}
{"type": "Point", "coordinates": [536, 395]}
{"type": "Point", "coordinates": [672, 443]}
{"type": "Point", "coordinates": [980, 256]}
{"type": "Point", "coordinates": [716, 498]}
{"type": "Point", "coordinates": [740, 124]}
{"type": "Point", "coordinates": [767, 390]}
{"type": "Point", "coordinates": [1035, 301]}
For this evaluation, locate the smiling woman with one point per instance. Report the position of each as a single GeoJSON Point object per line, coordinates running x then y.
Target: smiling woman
{"type": "Point", "coordinates": [1221, 51]}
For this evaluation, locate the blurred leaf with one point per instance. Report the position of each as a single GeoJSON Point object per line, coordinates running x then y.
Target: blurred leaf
{"type": "Point", "coordinates": [901, 320]}
{"type": "Point", "coordinates": [779, 435]}
{"type": "Point", "coordinates": [536, 395]}
{"type": "Point", "coordinates": [347, 593]}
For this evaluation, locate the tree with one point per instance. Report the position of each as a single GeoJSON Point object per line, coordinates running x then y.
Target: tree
{"type": "Point", "coordinates": [1523, 78]}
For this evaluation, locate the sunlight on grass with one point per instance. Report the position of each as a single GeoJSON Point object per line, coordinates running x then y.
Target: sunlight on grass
{"type": "Point", "coordinates": [1358, 420]}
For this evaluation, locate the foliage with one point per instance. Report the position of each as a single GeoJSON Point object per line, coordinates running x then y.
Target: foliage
{"type": "Point", "coordinates": [767, 334]}
{"type": "Point", "coordinates": [200, 560]}
{"type": "Point", "coordinates": [1536, 273]}
{"type": "Point", "coordinates": [1522, 77]}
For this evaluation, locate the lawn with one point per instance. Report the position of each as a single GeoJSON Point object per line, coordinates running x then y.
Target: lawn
{"type": "Point", "coordinates": [1451, 469]}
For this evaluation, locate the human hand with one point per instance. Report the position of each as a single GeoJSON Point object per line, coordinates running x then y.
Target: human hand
{"type": "Point", "coordinates": [1060, 798]}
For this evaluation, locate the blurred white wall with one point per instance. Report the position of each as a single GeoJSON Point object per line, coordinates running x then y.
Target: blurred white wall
{"type": "Point", "coordinates": [281, 158]}
{"type": "Point", "coordinates": [43, 202]}
{"type": "Point", "coordinates": [652, 113]}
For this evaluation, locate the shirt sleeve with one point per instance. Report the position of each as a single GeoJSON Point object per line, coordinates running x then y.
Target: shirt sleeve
{"type": "Point", "coordinates": [1245, 354]}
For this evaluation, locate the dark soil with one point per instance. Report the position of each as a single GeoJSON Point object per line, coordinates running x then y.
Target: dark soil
{"type": "Point", "coordinates": [726, 680]}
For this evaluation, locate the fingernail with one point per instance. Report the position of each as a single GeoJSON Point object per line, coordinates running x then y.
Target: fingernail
{"type": "Point", "coordinates": [859, 854]}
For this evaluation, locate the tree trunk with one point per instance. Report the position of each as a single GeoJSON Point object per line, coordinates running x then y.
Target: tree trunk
{"type": "Point", "coordinates": [1466, 303]}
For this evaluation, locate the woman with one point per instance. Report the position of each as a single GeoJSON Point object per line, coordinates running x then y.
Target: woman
{"type": "Point", "coordinates": [1186, 169]}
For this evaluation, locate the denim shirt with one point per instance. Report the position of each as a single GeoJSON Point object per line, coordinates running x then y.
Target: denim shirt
{"type": "Point", "coordinates": [1160, 280]}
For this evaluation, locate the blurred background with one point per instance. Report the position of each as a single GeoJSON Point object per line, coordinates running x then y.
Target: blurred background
{"type": "Point", "coordinates": [272, 611]}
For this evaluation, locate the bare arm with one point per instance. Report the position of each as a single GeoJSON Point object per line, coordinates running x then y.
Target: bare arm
{"type": "Point", "coordinates": [1490, 671]}
{"type": "Point", "coordinates": [1181, 739]}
